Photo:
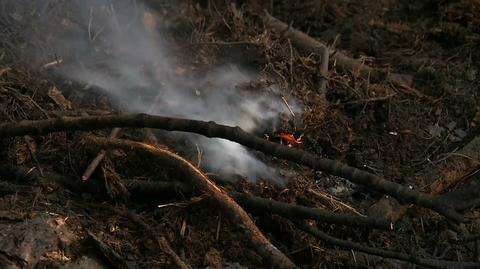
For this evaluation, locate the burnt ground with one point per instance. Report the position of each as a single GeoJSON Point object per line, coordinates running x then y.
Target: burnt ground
{"type": "Point", "coordinates": [411, 135]}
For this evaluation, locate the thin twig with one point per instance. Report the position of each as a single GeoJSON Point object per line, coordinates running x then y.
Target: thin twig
{"type": "Point", "coordinates": [98, 159]}
{"type": "Point", "coordinates": [288, 106]}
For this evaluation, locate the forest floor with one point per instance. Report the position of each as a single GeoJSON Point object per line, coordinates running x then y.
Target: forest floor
{"type": "Point", "coordinates": [413, 119]}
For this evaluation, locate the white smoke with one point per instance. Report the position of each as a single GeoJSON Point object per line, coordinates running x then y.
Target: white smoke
{"type": "Point", "coordinates": [117, 47]}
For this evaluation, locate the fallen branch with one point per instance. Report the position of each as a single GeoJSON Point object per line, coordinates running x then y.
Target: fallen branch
{"type": "Point", "coordinates": [236, 134]}
{"type": "Point", "coordinates": [303, 212]}
{"type": "Point", "coordinates": [140, 188]}
{"type": "Point", "coordinates": [460, 167]}
{"type": "Point", "coordinates": [433, 263]}
{"type": "Point", "coordinates": [264, 248]}
{"type": "Point", "coordinates": [311, 45]}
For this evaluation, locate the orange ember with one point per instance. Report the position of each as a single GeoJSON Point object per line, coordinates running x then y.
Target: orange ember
{"type": "Point", "coordinates": [290, 140]}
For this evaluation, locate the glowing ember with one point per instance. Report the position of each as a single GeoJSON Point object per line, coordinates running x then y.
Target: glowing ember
{"type": "Point", "coordinates": [290, 140]}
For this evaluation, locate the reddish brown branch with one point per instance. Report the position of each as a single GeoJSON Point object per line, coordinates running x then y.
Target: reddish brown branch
{"type": "Point", "coordinates": [433, 263]}
{"type": "Point", "coordinates": [264, 248]}
{"type": "Point", "coordinates": [236, 134]}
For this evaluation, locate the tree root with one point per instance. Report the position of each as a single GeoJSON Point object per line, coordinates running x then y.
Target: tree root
{"type": "Point", "coordinates": [236, 134]}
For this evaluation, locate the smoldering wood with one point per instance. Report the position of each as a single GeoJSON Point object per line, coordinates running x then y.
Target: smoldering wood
{"type": "Point", "coordinates": [235, 134]}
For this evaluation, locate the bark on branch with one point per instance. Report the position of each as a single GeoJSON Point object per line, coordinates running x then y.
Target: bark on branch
{"type": "Point", "coordinates": [236, 134]}
{"type": "Point", "coordinates": [432, 263]}
{"type": "Point", "coordinates": [151, 190]}
{"type": "Point", "coordinates": [307, 43]}
{"type": "Point", "coordinates": [263, 247]}
{"type": "Point", "coordinates": [140, 188]}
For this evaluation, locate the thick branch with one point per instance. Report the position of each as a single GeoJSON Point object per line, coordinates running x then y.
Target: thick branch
{"type": "Point", "coordinates": [264, 248]}
{"type": "Point", "coordinates": [236, 134]}
{"type": "Point", "coordinates": [433, 263]}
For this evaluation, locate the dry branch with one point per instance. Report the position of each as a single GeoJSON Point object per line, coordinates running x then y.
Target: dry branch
{"type": "Point", "coordinates": [303, 212]}
{"type": "Point", "coordinates": [157, 188]}
{"type": "Point", "coordinates": [311, 45]}
{"type": "Point", "coordinates": [98, 159]}
{"type": "Point", "coordinates": [264, 248]}
{"type": "Point", "coordinates": [458, 168]}
{"type": "Point", "coordinates": [141, 188]}
{"type": "Point", "coordinates": [236, 134]}
{"type": "Point", "coordinates": [432, 263]}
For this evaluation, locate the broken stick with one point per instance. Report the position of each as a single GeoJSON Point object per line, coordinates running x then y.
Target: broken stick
{"type": "Point", "coordinates": [98, 159]}
{"type": "Point", "coordinates": [262, 245]}
{"type": "Point", "coordinates": [307, 43]}
{"type": "Point", "coordinates": [150, 137]}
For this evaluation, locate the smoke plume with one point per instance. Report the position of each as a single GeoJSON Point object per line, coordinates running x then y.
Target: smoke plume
{"type": "Point", "coordinates": [117, 47]}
